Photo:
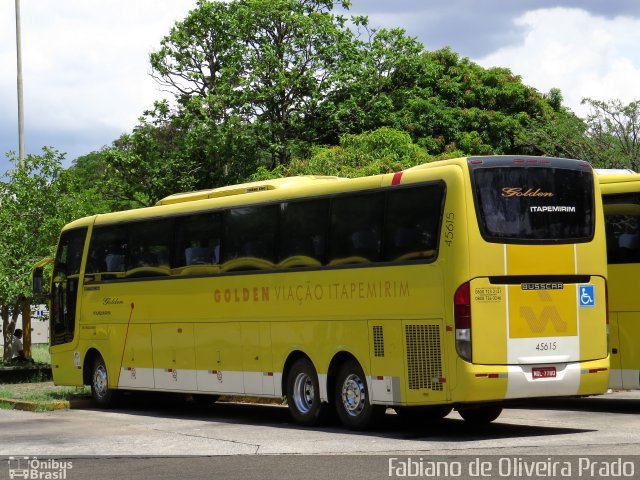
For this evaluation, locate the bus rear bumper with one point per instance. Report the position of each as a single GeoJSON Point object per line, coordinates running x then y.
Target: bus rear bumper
{"type": "Point", "coordinates": [484, 383]}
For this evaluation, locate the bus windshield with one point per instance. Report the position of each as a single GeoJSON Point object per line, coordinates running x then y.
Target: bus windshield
{"type": "Point", "coordinates": [533, 204]}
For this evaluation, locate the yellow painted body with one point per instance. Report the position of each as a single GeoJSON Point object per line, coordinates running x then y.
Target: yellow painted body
{"type": "Point", "coordinates": [624, 301]}
{"type": "Point", "coordinates": [206, 331]}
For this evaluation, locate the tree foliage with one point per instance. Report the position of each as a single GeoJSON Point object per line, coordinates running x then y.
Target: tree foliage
{"type": "Point", "coordinates": [260, 63]}
{"type": "Point", "coordinates": [607, 137]}
{"type": "Point", "coordinates": [36, 202]}
{"type": "Point", "coordinates": [384, 150]}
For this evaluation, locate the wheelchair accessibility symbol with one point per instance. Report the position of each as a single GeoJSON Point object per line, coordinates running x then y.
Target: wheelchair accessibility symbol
{"type": "Point", "coordinates": [587, 295]}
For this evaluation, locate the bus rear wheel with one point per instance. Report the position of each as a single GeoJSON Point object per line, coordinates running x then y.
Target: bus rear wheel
{"type": "Point", "coordinates": [102, 395]}
{"type": "Point", "coordinates": [480, 415]}
{"type": "Point", "coordinates": [352, 397]}
{"type": "Point", "coordinates": [303, 393]}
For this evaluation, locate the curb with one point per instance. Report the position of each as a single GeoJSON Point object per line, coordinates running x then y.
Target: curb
{"type": "Point", "coordinates": [30, 406]}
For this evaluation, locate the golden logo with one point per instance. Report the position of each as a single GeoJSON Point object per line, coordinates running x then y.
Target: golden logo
{"type": "Point", "coordinates": [508, 192]}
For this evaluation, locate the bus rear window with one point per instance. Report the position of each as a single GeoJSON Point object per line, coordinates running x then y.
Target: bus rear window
{"type": "Point", "coordinates": [517, 204]}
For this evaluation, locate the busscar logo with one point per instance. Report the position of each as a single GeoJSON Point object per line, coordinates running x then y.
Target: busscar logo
{"type": "Point", "coordinates": [509, 192]}
{"type": "Point", "coordinates": [542, 286]}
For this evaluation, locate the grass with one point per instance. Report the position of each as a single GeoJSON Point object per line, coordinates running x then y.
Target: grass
{"type": "Point", "coordinates": [41, 393]}
{"type": "Point", "coordinates": [39, 354]}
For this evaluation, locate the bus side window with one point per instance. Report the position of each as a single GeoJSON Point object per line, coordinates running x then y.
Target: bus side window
{"type": "Point", "coordinates": [197, 240]}
{"type": "Point", "coordinates": [412, 223]}
{"type": "Point", "coordinates": [356, 228]}
{"type": "Point", "coordinates": [149, 247]}
{"type": "Point", "coordinates": [107, 251]}
{"type": "Point", "coordinates": [623, 239]}
{"type": "Point", "coordinates": [303, 233]}
{"type": "Point", "coordinates": [250, 233]}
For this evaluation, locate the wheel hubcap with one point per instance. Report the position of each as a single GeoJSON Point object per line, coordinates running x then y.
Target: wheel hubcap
{"type": "Point", "coordinates": [303, 393]}
{"type": "Point", "coordinates": [353, 395]}
{"type": "Point", "coordinates": [100, 381]}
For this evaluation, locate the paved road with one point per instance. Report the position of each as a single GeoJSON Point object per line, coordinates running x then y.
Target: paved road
{"type": "Point", "coordinates": [128, 439]}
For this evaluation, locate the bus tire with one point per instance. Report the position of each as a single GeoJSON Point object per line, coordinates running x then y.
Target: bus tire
{"type": "Point", "coordinates": [352, 396]}
{"type": "Point", "coordinates": [480, 415]}
{"type": "Point", "coordinates": [102, 395]}
{"type": "Point", "coordinates": [303, 393]}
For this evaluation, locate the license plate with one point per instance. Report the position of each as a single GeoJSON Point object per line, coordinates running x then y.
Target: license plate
{"type": "Point", "coordinates": [543, 372]}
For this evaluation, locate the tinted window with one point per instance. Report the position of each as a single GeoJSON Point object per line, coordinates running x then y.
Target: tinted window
{"type": "Point", "coordinates": [149, 244]}
{"type": "Point", "coordinates": [108, 249]}
{"type": "Point", "coordinates": [65, 285]}
{"type": "Point", "coordinates": [622, 222]}
{"type": "Point", "coordinates": [356, 227]}
{"type": "Point", "coordinates": [303, 230]}
{"type": "Point", "coordinates": [250, 232]}
{"type": "Point", "coordinates": [198, 239]}
{"type": "Point", "coordinates": [525, 204]}
{"type": "Point", "coordinates": [69, 254]}
{"type": "Point", "coordinates": [412, 222]}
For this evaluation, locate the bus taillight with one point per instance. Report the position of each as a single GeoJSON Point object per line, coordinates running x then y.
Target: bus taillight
{"type": "Point", "coordinates": [462, 314]}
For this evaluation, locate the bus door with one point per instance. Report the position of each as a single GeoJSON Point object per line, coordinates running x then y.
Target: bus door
{"type": "Point", "coordinates": [64, 294]}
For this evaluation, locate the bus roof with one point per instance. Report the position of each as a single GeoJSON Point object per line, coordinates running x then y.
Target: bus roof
{"type": "Point", "coordinates": [611, 176]}
{"type": "Point", "coordinates": [278, 189]}
{"type": "Point", "coordinates": [250, 187]}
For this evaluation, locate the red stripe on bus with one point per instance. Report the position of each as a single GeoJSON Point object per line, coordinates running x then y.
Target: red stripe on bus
{"type": "Point", "coordinates": [396, 178]}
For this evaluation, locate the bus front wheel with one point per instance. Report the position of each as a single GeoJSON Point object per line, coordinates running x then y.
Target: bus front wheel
{"type": "Point", "coordinates": [480, 415]}
{"type": "Point", "coordinates": [303, 393]}
{"type": "Point", "coordinates": [102, 395]}
{"type": "Point", "coordinates": [352, 396]}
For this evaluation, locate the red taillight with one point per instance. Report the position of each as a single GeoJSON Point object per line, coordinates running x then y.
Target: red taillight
{"type": "Point", "coordinates": [462, 318]}
{"type": "Point", "coordinates": [462, 306]}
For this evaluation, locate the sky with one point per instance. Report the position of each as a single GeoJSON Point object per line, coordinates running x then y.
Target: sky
{"type": "Point", "coordinates": [86, 68]}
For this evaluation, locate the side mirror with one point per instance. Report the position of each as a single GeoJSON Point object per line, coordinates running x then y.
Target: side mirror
{"type": "Point", "coordinates": [38, 290]}
{"type": "Point", "coordinates": [38, 279]}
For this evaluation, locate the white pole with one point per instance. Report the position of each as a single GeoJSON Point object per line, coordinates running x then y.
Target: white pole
{"type": "Point", "coordinates": [20, 99]}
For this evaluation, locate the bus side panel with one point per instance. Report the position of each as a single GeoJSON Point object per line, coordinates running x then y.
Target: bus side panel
{"type": "Point", "coordinates": [615, 378]}
{"type": "Point", "coordinates": [387, 360]}
{"type": "Point", "coordinates": [174, 356]}
{"type": "Point", "coordinates": [257, 364]}
{"type": "Point", "coordinates": [629, 333]}
{"type": "Point", "coordinates": [219, 357]}
{"type": "Point", "coordinates": [426, 373]}
{"type": "Point", "coordinates": [137, 360]}
{"type": "Point", "coordinates": [625, 325]}
{"type": "Point", "coordinates": [61, 358]}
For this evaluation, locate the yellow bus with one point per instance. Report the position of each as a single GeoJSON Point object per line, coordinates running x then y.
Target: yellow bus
{"type": "Point", "coordinates": [621, 203]}
{"type": "Point", "coordinates": [456, 284]}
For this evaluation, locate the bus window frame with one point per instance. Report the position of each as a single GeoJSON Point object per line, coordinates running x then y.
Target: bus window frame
{"type": "Point", "coordinates": [94, 278]}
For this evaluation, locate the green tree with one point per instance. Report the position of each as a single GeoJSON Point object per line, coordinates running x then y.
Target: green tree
{"type": "Point", "coordinates": [36, 202]}
{"type": "Point", "coordinates": [613, 129]}
{"type": "Point", "coordinates": [384, 150]}
{"type": "Point", "coordinates": [260, 63]}
{"type": "Point", "coordinates": [608, 137]}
